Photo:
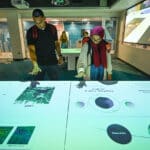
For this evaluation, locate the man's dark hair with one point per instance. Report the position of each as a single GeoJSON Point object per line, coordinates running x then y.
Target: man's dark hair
{"type": "Point", "coordinates": [37, 13]}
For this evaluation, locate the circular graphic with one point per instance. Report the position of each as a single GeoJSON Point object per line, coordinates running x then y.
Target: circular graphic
{"type": "Point", "coordinates": [149, 129]}
{"type": "Point", "coordinates": [109, 82]}
{"type": "Point", "coordinates": [80, 104]}
{"type": "Point", "coordinates": [104, 102]}
{"type": "Point", "coordinates": [129, 104]}
{"type": "Point", "coordinates": [119, 134]}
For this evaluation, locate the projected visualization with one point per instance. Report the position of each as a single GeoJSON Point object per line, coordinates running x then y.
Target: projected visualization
{"type": "Point", "coordinates": [75, 115]}
{"type": "Point", "coordinates": [104, 102]}
{"type": "Point", "coordinates": [137, 25]}
{"type": "Point", "coordinates": [4, 132]}
{"type": "Point", "coordinates": [119, 134]}
{"type": "Point", "coordinates": [38, 95]}
{"type": "Point", "coordinates": [21, 135]}
{"type": "Point", "coordinates": [108, 116]}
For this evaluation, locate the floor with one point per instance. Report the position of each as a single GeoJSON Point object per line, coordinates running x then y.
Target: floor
{"type": "Point", "coordinates": [98, 115]}
{"type": "Point", "coordinates": [123, 71]}
{"type": "Point", "coordinates": [19, 70]}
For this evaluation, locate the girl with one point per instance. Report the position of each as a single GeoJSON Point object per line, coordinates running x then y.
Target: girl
{"type": "Point", "coordinates": [64, 40]}
{"type": "Point", "coordinates": [94, 62]}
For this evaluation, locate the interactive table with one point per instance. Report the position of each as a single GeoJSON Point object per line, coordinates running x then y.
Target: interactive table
{"type": "Point", "coordinates": [109, 116]}
{"type": "Point", "coordinates": [73, 115]}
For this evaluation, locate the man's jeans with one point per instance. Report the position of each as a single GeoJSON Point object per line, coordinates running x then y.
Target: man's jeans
{"type": "Point", "coordinates": [53, 72]}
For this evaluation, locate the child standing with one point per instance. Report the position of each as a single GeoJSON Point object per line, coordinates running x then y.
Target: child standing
{"type": "Point", "coordinates": [94, 62]}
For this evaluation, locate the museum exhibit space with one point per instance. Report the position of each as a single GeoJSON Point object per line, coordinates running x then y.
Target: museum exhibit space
{"type": "Point", "coordinates": [71, 115]}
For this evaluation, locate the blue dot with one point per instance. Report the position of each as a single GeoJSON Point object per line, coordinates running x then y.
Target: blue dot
{"type": "Point", "coordinates": [104, 102]}
{"type": "Point", "coordinates": [119, 134]}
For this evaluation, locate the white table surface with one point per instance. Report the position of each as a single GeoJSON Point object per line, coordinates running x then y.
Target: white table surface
{"type": "Point", "coordinates": [72, 121]}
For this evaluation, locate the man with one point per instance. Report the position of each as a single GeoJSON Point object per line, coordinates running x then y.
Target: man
{"type": "Point", "coordinates": [43, 44]}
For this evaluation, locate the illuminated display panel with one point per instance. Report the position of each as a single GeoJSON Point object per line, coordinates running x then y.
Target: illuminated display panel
{"type": "Point", "coordinates": [137, 24]}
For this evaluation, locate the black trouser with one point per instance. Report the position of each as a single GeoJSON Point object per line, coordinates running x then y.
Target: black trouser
{"type": "Point", "coordinates": [53, 72]}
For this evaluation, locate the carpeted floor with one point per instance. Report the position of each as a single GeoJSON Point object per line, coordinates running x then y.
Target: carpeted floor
{"type": "Point", "coordinates": [120, 75]}
{"type": "Point", "coordinates": [18, 70]}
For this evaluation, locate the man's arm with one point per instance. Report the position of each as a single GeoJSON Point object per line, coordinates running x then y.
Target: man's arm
{"type": "Point", "coordinates": [32, 53]}
{"type": "Point", "coordinates": [33, 58]}
{"type": "Point", "coordinates": [58, 50]}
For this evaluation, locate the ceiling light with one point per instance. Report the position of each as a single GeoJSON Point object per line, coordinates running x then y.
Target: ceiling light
{"type": "Point", "coordinates": [60, 2]}
{"type": "Point", "coordinates": [20, 4]}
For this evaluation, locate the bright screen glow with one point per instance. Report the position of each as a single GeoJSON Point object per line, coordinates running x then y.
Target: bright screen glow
{"type": "Point", "coordinates": [137, 25]}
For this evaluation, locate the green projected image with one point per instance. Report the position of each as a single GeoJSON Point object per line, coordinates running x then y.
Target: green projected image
{"type": "Point", "coordinates": [21, 135]}
{"type": "Point", "coordinates": [38, 95]}
{"type": "Point", "coordinates": [4, 132]}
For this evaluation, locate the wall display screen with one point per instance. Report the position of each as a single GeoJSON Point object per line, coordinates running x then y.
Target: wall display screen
{"type": "Point", "coordinates": [5, 40]}
{"type": "Point", "coordinates": [137, 24]}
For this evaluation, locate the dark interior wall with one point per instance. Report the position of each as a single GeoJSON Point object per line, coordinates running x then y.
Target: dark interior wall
{"type": "Point", "coordinates": [47, 3]}
{"type": "Point", "coordinates": [84, 3]}
{"type": "Point", "coordinates": [5, 3]}
{"type": "Point", "coordinates": [111, 2]}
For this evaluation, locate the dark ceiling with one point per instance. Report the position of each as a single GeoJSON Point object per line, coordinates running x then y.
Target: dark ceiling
{"type": "Point", "coordinates": [73, 3]}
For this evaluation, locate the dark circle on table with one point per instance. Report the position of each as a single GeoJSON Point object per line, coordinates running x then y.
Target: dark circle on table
{"type": "Point", "coordinates": [104, 102]}
{"type": "Point", "coordinates": [109, 82]}
{"type": "Point", "coordinates": [119, 134]}
{"type": "Point", "coordinates": [149, 129]}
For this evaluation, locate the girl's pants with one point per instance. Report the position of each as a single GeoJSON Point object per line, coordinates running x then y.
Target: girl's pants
{"type": "Point", "coordinates": [97, 73]}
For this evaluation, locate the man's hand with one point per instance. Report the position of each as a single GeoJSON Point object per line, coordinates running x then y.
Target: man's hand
{"type": "Point", "coordinates": [80, 75]}
{"type": "Point", "coordinates": [60, 60]}
{"type": "Point", "coordinates": [58, 50]}
{"type": "Point", "coordinates": [35, 69]}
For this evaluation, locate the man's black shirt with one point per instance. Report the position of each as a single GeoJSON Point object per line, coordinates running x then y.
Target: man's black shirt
{"type": "Point", "coordinates": [44, 44]}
